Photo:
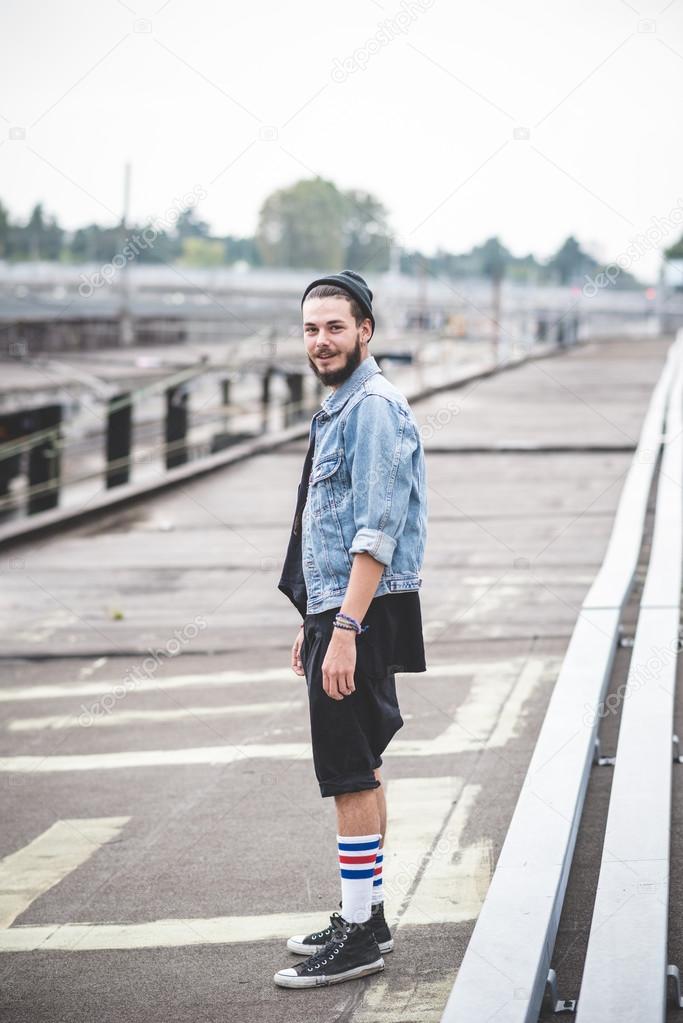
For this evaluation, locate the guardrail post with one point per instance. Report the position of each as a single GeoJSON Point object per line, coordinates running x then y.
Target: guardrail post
{"type": "Point", "coordinates": [176, 425]}
{"type": "Point", "coordinates": [10, 465]}
{"type": "Point", "coordinates": [225, 401]}
{"type": "Point", "coordinates": [44, 461]}
{"type": "Point", "coordinates": [294, 407]}
{"type": "Point", "coordinates": [119, 433]}
{"type": "Point", "coordinates": [541, 328]}
{"type": "Point", "coordinates": [265, 397]}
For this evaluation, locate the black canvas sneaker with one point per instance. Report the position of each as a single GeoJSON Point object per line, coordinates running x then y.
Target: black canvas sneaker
{"type": "Point", "coordinates": [306, 944]}
{"type": "Point", "coordinates": [350, 953]}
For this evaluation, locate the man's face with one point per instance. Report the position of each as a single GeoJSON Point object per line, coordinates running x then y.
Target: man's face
{"type": "Point", "coordinates": [334, 344]}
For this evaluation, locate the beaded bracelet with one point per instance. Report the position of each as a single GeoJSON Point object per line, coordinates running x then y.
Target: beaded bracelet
{"type": "Point", "coordinates": [354, 624]}
{"type": "Point", "coordinates": [348, 618]}
{"type": "Point", "coordinates": [340, 625]}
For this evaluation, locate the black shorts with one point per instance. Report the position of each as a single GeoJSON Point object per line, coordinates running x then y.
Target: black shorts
{"type": "Point", "coordinates": [349, 735]}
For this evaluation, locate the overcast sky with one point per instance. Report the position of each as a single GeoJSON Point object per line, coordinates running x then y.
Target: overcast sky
{"type": "Point", "coordinates": [425, 103]}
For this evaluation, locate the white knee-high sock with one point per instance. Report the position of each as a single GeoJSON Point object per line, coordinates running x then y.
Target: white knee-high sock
{"type": "Point", "coordinates": [357, 855]}
{"type": "Point", "coordinates": [377, 886]}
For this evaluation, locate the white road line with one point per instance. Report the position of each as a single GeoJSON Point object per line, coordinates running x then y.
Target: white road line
{"type": "Point", "coordinates": [420, 999]}
{"type": "Point", "coordinates": [481, 710]}
{"type": "Point", "coordinates": [157, 933]}
{"type": "Point", "coordinates": [417, 810]}
{"type": "Point", "coordinates": [141, 758]}
{"type": "Point", "coordinates": [493, 722]}
{"type": "Point", "coordinates": [129, 683]}
{"type": "Point", "coordinates": [89, 669]}
{"type": "Point", "coordinates": [46, 625]}
{"type": "Point", "coordinates": [507, 726]}
{"type": "Point", "coordinates": [44, 862]}
{"type": "Point", "coordinates": [455, 880]}
{"type": "Point", "coordinates": [147, 717]}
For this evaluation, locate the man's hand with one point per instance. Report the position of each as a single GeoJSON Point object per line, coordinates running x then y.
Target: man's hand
{"type": "Point", "coordinates": [297, 666]}
{"type": "Point", "coordinates": [340, 664]}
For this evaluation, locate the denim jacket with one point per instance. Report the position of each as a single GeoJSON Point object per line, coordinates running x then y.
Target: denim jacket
{"type": "Point", "coordinates": [367, 489]}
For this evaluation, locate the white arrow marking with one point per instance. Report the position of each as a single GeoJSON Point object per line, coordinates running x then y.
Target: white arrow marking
{"type": "Point", "coordinates": [481, 710]}
{"type": "Point", "coordinates": [417, 810]}
{"type": "Point", "coordinates": [44, 862]}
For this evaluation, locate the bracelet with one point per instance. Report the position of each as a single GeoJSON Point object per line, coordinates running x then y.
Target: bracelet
{"type": "Point", "coordinates": [348, 618]}
{"type": "Point", "coordinates": [342, 619]}
{"type": "Point", "coordinates": [340, 625]}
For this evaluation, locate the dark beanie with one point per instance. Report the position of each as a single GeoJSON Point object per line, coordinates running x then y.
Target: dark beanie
{"type": "Point", "coordinates": [351, 282]}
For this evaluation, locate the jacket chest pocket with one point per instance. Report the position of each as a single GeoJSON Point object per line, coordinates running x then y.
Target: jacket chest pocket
{"type": "Point", "coordinates": [329, 481]}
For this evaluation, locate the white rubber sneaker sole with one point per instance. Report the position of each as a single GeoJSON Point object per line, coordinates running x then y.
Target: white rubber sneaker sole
{"type": "Point", "coordinates": [288, 978]}
{"type": "Point", "coordinates": [297, 946]}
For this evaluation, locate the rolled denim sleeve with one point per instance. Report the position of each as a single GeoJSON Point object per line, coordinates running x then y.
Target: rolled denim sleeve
{"type": "Point", "coordinates": [380, 440]}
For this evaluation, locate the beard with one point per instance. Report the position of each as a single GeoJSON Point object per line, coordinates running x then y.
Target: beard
{"type": "Point", "coordinates": [334, 377]}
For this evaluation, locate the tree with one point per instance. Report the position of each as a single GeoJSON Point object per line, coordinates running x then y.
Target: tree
{"type": "Point", "coordinates": [242, 250]}
{"type": "Point", "coordinates": [4, 231]}
{"type": "Point", "coordinates": [203, 252]}
{"type": "Point", "coordinates": [494, 260]}
{"type": "Point", "coordinates": [675, 251]}
{"type": "Point", "coordinates": [314, 225]}
{"type": "Point", "coordinates": [160, 246]}
{"type": "Point", "coordinates": [524, 269]}
{"type": "Point", "coordinates": [94, 244]}
{"type": "Point", "coordinates": [302, 226]}
{"type": "Point", "coordinates": [570, 262]}
{"type": "Point", "coordinates": [189, 225]}
{"type": "Point", "coordinates": [34, 231]}
{"type": "Point", "coordinates": [367, 238]}
{"type": "Point", "coordinates": [41, 238]}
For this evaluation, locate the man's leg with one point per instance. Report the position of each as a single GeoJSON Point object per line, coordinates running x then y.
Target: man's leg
{"type": "Point", "coordinates": [358, 839]}
{"type": "Point", "coordinates": [343, 759]}
{"type": "Point", "coordinates": [347, 951]}
{"type": "Point", "coordinates": [358, 813]}
{"type": "Point", "coordinates": [381, 806]}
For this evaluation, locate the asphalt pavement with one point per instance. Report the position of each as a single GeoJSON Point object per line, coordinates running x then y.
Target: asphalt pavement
{"type": "Point", "coordinates": [163, 830]}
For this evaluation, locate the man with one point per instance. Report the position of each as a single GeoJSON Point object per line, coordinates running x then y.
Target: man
{"type": "Point", "coordinates": [352, 571]}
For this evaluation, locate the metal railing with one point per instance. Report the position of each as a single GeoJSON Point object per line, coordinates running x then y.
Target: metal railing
{"type": "Point", "coordinates": [506, 970]}
{"type": "Point", "coordinates": [179, 436]}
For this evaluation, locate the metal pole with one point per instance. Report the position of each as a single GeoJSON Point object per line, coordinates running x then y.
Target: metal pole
{"type": "Point", "coordinates": [119, 434]}
{"type": "Point", "coordinates": [44, 462]}
{"type": "Point", "coordinates": [265, 398]}
{"type": "Point", "coordinates": [176, 425]}
{"type": "Point", "coordinates": [126, 327]}
{"type": "Point", "coordinates": [294, 409]}
{"type": "Point", "coordinates": [225, 401]}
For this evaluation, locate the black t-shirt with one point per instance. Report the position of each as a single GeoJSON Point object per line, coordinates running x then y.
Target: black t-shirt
{"type": "Point", "coordinates": [394, 638]}
{"type": "Point", "coordinates": [394, 620]}
{"type": "Point", "coordinates": [292, 582]}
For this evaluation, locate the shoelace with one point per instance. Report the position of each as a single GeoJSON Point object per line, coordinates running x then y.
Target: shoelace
{"type": "Point", "coordinates": [333, 947]}
{"type": "Point", "coordinates": [337, 923]}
